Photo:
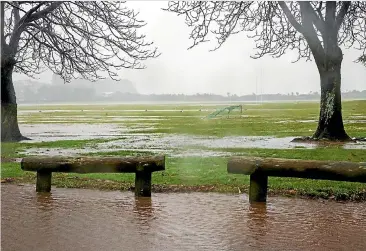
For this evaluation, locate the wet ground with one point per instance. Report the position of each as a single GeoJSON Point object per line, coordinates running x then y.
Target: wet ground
{"type": "Point", "coordinates": [177, 145]}
{"type": "Point", "coordinates": [131, 129]}
{"type": "Point", "coordinates": [73, 219]}
{"type": "Point", "coordinates": [76, 131]}
{"type": "Point", "coordinates": [59, 131]}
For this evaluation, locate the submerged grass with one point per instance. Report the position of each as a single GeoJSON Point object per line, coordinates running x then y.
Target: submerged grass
{"type": "Point", "coordinates": [196, 173]}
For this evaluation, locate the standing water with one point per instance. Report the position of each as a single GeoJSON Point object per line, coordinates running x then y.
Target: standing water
{"type": "Point", "coordinates": [73, 219]}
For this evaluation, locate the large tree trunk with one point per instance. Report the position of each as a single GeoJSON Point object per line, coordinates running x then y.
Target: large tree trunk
{"type": "Point", "coordinates": [9, 119]}
{"type": "Point", "coordinates": [330, 124]}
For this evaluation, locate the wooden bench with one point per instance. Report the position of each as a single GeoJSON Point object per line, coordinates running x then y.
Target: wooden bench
{"type": "Point", "coordinates": [260, 168]}
{"type": "Point", "coordinates": [141, 166]}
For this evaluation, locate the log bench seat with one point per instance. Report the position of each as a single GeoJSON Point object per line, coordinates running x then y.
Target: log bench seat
{"type": "Point", "coordinates": [260, 168]}
{"type": "Point", "coordinates": [141, 166]}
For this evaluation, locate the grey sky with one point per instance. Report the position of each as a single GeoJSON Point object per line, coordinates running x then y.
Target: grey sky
{"type": "Point", "coordinates": [229, 69]}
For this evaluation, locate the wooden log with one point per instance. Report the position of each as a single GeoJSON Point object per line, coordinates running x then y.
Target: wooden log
{"type": "Point", "coordinates": [43, 181]}
{"type": "Point", "coordinates": [143, 184]}
{"type": "Point", "coordinates": [310, 169]}
{"type": "Point", "coordinates": [94, 164]}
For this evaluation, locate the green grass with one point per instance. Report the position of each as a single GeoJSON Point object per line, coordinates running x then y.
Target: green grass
{"type": "Point", "coordinates": [275, 119]}
{"type": "Point", "coordinates": [10, 170]}
{"type": "Point", "coordinates": [272, 119]}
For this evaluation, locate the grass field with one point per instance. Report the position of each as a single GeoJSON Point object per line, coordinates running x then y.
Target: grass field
{"type": "Point", "coordinates": [197, 148]}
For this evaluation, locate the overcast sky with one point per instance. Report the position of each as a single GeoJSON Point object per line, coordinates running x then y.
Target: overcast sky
{"type": "Point", "coordinates": [229, 69]}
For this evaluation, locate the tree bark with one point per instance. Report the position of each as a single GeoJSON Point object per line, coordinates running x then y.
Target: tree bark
{"type": "Point", "coordinates": [330, 124]}
{"type": "Point", "coordinates": [9, 115]}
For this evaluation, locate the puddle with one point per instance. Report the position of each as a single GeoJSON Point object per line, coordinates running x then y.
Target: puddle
{"type": "Point", "coordinates": [78, 131]}
{"type": "Point", "coordinates": [275, 109]}
{"type": "Point", "coordinates": [105, 118]}
{"type": "Point", "coordinates": [175, 141]}
{"type": "Point", "coordinates": [358, 117]}
{"type": "Point", "coordinates": [168, 152]}
{"type": "Point", "coordinates": [186, 145]}
{"type": "Point", "coordinates": [295, 121]}
{"type": "Point", "coordinates": [54, 131]}
{"type": "Point", "coordinates": [22, 112]}
{"type": "Point", "coordinates": [113, 110]}
{"type": "Point", "coordinates": [315, 121]}
{"type": "Point", "coordinates": [354, 121]}
{"type": "Point", "coordinates": [72, 152]}
{"type": "Point", "coordinates": [201, 153]}
{"type": "Point", "coordinates": [138, 142]}
{"type": "Point", "coordinates": [83, 219]}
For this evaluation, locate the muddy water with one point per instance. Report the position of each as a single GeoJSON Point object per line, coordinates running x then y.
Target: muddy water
{"type": "Point", "coordinates": [71, 219]}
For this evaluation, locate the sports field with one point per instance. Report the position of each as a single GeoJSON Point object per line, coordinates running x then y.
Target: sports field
{"type": "Point", "coordinates": [196, 145]}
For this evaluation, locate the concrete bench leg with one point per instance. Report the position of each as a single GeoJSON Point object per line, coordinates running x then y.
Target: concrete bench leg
{"type": "Point", "coordinates": [43, 181]}
{"type": "Point", "coordinates": [143, 184]}
{"type": "Point", "coordinates": [258, 187]}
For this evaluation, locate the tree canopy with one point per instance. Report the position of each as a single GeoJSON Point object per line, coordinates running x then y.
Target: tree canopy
{"type": "Point", "coordinates": [73, 39]}
{"type": "Point", "coordinates": [316, 30]}
{"type": "Point", "coordinates": [277, 26]}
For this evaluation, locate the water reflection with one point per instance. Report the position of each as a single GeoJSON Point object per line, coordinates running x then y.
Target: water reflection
{"type": "Point", "coordinates": [143, 207]}
{"type": "Point", "coordinates": [144, 211]}
{"type": "Point", "coordinates": [72, 219]}
{"type": "Point", "coordinates": [44, 201]}
{"type": "Point", "coordinates": [258, 219]}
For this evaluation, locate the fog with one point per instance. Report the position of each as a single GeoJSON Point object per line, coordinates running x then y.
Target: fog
{"type": "Point", "coordinates": [227, 70]}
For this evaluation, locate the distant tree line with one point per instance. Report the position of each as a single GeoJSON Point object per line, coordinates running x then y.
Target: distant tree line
{"type": "Point", "coordinates": [49, 94]}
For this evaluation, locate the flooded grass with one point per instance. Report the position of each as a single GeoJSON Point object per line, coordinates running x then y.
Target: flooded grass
{"type": "Point", "coordinates": [196, 147]}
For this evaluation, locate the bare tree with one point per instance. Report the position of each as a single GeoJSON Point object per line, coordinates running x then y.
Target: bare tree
{"type": "Point", "coordinates": [72, 39]}
{"type": "Point", "coordinates": [316, 30]}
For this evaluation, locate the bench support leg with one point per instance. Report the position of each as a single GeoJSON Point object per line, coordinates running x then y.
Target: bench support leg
{"type": "Point", "coordinates": [258, 187]}
{"type": "Point", "coordinates": [43, 181]}
{"type": "Point", "coordinates": [143, 184]}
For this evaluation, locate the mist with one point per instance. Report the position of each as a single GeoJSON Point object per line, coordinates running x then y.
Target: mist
{"type": "Point", "coordinates": [227, 70]}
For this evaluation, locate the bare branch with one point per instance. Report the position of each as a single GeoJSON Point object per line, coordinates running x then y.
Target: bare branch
{"type": "Point", "coordinates": [30, 17]}
{"type": "Point", "coordinates": [318, 21]}
{"type": "Point", "coordinates": [16, 13]}
{"type": "Point", "coordinates": [319, 11]}
{"type": "Point", "coordinates": [77, 39]}
{"type": "Point", "coordinates": [343, 11]}
{"type": "Point", "coordinates": [290, 17]}
{"type": "Point", "coordinates": [330, 13]}
{"type": "Point", "coordinates": [310, 34]}
{"type": "Point", "coordinates": [15, 35]}
{"type": "Point", "coordinates": [307, 27]}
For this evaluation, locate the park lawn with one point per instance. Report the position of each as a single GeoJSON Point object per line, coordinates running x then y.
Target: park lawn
{"type": "Point", "coordinates": [267, 119]}
{"type": "Point", "coordinates": [199, 173]}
